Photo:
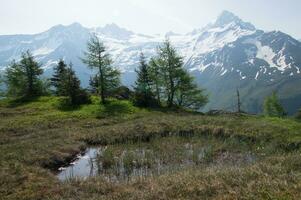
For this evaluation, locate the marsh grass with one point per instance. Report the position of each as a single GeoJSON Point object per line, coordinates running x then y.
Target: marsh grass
{"type": "Point", "coordinates": [107, 158]}
{"type": "Point", "coordinates": [37, 137]}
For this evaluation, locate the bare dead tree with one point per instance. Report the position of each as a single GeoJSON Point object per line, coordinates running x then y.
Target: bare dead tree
{"type": "Point", "coordinates": [238, 101]}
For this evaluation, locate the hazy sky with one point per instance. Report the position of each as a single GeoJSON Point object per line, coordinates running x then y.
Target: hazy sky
{"type": "Point", "coordinates": [146, 16]}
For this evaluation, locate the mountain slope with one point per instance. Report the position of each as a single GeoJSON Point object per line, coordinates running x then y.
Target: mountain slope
{"type": "Point", "coordinates": [223, 56]}
{"type": "Point", "coordinates": [257, 64]}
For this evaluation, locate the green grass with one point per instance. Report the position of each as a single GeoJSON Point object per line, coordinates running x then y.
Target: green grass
{"type": "Point", "coordinates": [49, 108]}
{"type": "Point", "coordinates": [38, 136]}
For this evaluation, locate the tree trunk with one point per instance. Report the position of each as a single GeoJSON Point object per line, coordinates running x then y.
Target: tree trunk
{"type": "Point", "coordinates": [157, 87]}
{"type": "Point", "coordinates": [30, 80]}
{"type": "Point", "coordinates": [171, 92]}
{"type": "Point", "coordinates": [102, 89]}
{"type": "Point", "coordinates": [238, 101]}
{"type": "Point", "coordinates": [158, 93]}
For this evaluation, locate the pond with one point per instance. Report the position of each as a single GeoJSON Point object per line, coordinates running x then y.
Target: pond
{"type": "Point", "coordinates": [126, 162]}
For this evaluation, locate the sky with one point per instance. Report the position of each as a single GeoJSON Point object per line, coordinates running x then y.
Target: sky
{"type": "Point", "coordinates": [146, 16]}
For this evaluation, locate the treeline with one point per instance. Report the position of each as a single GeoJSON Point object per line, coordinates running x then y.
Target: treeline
{"type": "Point", "coordinates": [161, 81]}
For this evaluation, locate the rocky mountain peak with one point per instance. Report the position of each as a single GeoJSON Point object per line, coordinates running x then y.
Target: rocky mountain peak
{"type": "Point", "coordinates": [114, 31]}
{"type": "Point", "coordinates": [226, 18]}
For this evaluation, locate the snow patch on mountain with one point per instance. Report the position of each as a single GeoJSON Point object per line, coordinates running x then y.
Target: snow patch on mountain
{"type": "Point", "coordinates": [217, 37]}
{"type": "Point", "coordinates": [26, 42]}
{"type": "Point", "coordinates": [49, 64]}
{"type": "Point", "coordinates": [224, 71]}
{"type": "Point", "coordinates": [42, 51]}
{"type": "Point", "coordinates": [267, 54]}
{"type": "Point", "coordinates": [257, 74]}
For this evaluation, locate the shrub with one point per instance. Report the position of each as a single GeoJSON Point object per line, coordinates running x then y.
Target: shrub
{"type": "Point", "coordinates": [66, 103]}
{"type": "Point", "coordinates": [139, 100]}
{"type": "Point", "coordinates": [121, 93]}
{"type": "Point", "coordinates": [82, 98]}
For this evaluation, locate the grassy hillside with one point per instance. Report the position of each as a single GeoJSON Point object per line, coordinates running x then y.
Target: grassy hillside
{"type": "Point", "coordinates": [38, 137]}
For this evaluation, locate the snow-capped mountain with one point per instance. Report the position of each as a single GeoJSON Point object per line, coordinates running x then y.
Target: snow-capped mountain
{"type": "Point", "coordinates": [224, 55]}
{"type": "Point", "coordinates": [254, 61]}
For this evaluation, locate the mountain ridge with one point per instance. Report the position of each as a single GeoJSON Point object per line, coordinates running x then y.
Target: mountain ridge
{"type": "Point", "coordinates": [223, 56]}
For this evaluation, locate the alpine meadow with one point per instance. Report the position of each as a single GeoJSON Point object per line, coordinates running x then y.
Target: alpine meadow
{"type": "Point", "coordinates": [208, 110]}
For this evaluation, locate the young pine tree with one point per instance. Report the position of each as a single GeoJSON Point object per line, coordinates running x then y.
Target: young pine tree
{"type": "Point", "coordinates": [94, 84]}
{"type": "Point", "coordinates": [72, 87]}
{"type": "Point", "coordinates": [58, 79]}
{"type": "Point", "coordinates": [15, 80]}
{"type": "Point", "coordinates": [97, 58]}
{"type": "Point", "coordinates": [23, 78]}
{"type": "Point", "coordinates": [143, 94]}
{"type": "Point", "coordinates": [188, 95]}
{"type": "Point", "coordinates": [171, 65]}
{"type": "Point", "coordinates": [171, 79]}
{"type": "Point", "coordinates": [32, 71]}
{"type": "Point", "coordinates": [156, 79]}
{"type": "Point", "coordinates": [272, 106]}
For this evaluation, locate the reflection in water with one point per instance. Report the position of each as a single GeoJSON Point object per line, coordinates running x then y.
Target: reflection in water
{"type": "Point", "coordinates": [82, 167]}
{"type": "Point", "coordinates": [130, 165]}
{"type": "Point", "coordinates": [125, 164]}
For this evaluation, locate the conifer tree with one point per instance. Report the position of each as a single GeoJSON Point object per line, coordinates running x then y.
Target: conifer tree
{"type": "Point", "coordinates": [32, 70]}
{"type": "Point", "coordinates": [171, 67]}
{"type": "Point", "coordinates": [171, 82]}
{"type": "Point", "coordinates": [94, 84]}
{"type": "Point", "coordinates": [59, 78]}
{"type": "Point", "coordinates": [23, 78]}
{"type": "Point", "coordinates": [143, 94]}
{"type": "Point", "coordinates": [272, 106]}
{"type": "Point", "coordinates": [72, 88]}
{"type": "Point", "coordinates": [15, 80]}
{"type": "Point", "coordinates": [96, 57]}
{"type": "Point", "coordinates": [72, 85]}
{"type": "Point", "coordinates": [188, 94]}
{"type": "Point", "coordinates": [156, 79]}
